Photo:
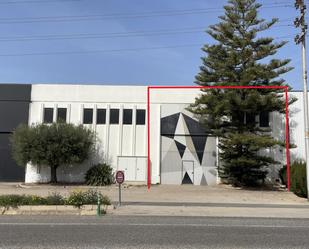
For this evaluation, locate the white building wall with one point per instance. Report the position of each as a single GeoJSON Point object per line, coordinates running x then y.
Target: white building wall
{"type": "Point", "coordinates": [113, 140]}
{"type": "Point", "coordinates": [118, 143]}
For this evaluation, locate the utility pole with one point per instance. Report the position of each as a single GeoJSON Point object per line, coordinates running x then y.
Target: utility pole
{"type": "Point", "coordinates": [301, 39]}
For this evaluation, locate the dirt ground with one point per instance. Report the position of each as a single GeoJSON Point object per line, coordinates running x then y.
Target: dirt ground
{"type": "Point", "coordinates": [167, 193]}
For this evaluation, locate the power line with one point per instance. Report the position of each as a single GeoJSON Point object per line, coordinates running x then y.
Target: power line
{"type": "Point", "coordinates": [120, 15]}
{"type": "Point", "coordinates": [36, 1]}
{"type": "Point", "coordinates": [161, 32]}
{"type": "Point", "coordinates": [100, 51]}
{"type": "Point", "coordinates": [111, 50]}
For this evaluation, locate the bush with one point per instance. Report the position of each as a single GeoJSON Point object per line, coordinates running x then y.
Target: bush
{"type": "Point", "coordinates": [55, 199]}
{"type": "Point", "coordinates": [297, 176]}
{"type": "Point", "coordinates": [76, 198]}
{"type": "Point", "coordinates": [100, 175]}
{"type": "Point", "coordinates": [90, 197]}
{"type": "Point", "coordinates": [13, 201]}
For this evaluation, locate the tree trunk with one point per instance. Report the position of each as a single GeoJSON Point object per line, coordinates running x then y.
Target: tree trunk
{"type": "Point", "coordinates": [53, 174]}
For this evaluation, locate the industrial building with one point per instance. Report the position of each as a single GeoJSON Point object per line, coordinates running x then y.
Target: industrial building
{"type": "Point", "coordinates": [181, 150]}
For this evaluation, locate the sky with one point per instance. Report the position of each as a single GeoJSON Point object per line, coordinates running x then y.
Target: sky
{"type": "Point", "coordinates": [121, 42]}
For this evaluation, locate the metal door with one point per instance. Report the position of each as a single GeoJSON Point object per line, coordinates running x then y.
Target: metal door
{"type": "Point", "coordinates": [187, 172]}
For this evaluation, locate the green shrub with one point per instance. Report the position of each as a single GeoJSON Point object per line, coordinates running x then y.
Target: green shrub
{"type": "Point", "coordinates": [89, 197]}
{"type": "Point", "coordinates": [76, 198]}
{"type": "Point", "coordinates": [33, 200]}
{"type": "Point", "coordinates": [298, 178]}
{"type": "Point", "coordinates": [55, 199]}
{"type": "Point", "coordinates": [13, 201]}
{"type": "Point", "coordinates": [100, 175]}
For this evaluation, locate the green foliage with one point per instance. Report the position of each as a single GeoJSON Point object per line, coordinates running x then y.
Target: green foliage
{"type": "Point", "coordinates": [55, 199]}
{"type": "Point", "coordinates": [52, 145]}
{"type": "Point", "coordinates": [76, 198]}
{"type": "Point", "coordinates": [299, 179]}
{"type": "Point", "coordinates": [100, 175]}
{"type": "Point", "coordinates": [241, 57]}
{"type": "Point", "coordinates": [13, 201]}
{"type": "Point", "coordinates": [90, 197]}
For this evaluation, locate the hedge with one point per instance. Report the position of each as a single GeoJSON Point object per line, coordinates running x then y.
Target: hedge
{"type": "Point", "coordinates": [298, 178]}
{"type": "Point", "coordinates": [76, 199]}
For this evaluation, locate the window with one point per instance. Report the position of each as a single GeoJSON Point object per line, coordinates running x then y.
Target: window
{"type": "Point", "coordinates": [88, 116]}
{"type": "Point", "coordinates": [48, 115]}
{"type": "Point", "coordinates": [140, 117]}
{"type": "Point", "coordinates": [62, 115]}
{"type": "Point", "coordinates": [264, 119]}
{"type": "Point", "coordinates": [127, 116]}
{"type": "Point", "coordinates": [114, 116]}
{"type": "Point", "coordinates": [101, 116]}
{"type": "Point", "coordinates": [250, 119]}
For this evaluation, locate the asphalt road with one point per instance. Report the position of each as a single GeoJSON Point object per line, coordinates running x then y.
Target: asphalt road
{"type": "Point", "coordinates": [151, 232]}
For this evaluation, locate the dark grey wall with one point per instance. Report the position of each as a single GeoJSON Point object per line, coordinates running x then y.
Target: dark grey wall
{"type": "Point", "coordinates": [14, 110]}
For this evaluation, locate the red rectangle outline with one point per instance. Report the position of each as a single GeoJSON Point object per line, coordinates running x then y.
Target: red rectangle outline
{"type": "Point", "coordinates": [285, 88]}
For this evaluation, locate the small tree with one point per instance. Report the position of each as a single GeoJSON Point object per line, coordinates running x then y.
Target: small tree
{"type": "Point", "coordinates": [52, 145]}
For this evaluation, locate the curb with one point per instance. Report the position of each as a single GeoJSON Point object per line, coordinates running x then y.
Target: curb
{"type": "Point", "coordinates": [210, 211]}
{"type": "Point", "coordinates": [53, 210]}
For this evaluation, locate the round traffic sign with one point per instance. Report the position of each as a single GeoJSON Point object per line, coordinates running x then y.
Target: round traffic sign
{"type": "Point", "coordinates": [119, 177]}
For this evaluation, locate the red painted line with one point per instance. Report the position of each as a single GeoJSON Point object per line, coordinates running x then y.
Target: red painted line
{"type": "Point", "coordinates": [219, 87]}
{"type": "Point", "coordinates": [287, 138]}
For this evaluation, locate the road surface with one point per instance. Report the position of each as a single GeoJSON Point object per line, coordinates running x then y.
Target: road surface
{"type": "Point", "coordinates": [151, 232]}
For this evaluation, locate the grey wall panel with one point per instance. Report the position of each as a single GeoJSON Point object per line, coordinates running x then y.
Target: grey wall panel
{"type": "Point", "coordinates": [14, 110]}
{"type": "Point", "coordinates": [15, 92]}
{"type": "Point", "coordinates": [9, 171]}
{"type": "Point", "coordinates": [12, 114]}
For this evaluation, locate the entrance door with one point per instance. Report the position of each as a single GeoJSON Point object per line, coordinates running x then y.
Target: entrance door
{"type": "Point", "coordinates": [187, 172]}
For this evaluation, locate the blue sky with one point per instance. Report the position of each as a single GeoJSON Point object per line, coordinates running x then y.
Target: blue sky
{"type": "Point", "coordinates": [132, 42]}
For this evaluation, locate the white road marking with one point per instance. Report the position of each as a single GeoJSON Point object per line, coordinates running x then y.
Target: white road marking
{"type": "Point", "coordinates": [151, 225]}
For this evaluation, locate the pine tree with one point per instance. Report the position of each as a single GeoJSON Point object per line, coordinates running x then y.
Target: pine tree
{"type": "Point", "coordinates": [241, 56]}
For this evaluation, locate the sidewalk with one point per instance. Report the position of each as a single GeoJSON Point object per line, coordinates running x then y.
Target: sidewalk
{"type": "Point", "coordinates": [186, 200]}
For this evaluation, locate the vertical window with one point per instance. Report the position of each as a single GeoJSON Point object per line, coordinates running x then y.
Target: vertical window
{"type": "Point", "coordinates": [62, 115]}
{"type": "Point", "coordinates": [114, 116]}
{"type": "Point", "coordinates": [88, 116]}
{"type": "Point", "coordinates": [48, 115]}
{"type": "Point", "coordinates": [140, 117]}
{"type": "Point", "coordinates": [264, 119]}
{"type": "Point", "coordinates": [127, 116]}
{"type": "Point", "coordinates": [250, 119]}
{"type": "Point", "coordinates": [101, 116]}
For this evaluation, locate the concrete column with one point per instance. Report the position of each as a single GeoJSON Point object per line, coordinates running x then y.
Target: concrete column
{"type": "Point", "coordinates": [133, 138]}
{"type": "Point", "coordinates": [68, 113]}
{"type": "Point", "coordinates": [94, 118]}
{"type": "Point", "coordinates": [55, 112]}
{"type": "Point", "coordinates": [120, 131]}
{"type": "Point", "coordinates": [41, 113]}
{"type": "Point", "coordinates": [108, 107]}
{"type": "Point", "coordinates": [158, 171]}
{"type": "Point", "coordinates": [81, 114]}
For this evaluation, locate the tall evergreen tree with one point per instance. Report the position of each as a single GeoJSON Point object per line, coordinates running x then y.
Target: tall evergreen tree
{"type": "Point", "coordinates": [241, 56]}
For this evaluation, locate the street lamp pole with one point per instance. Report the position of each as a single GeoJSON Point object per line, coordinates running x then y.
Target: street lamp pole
{"type": "Point", "coordinates": [301, 39]}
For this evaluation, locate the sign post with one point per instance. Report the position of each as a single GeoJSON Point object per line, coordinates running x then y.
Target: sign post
{"type": "Point", "coordinates": [119, 180]}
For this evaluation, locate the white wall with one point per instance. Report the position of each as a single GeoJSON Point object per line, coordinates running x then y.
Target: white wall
{"type": "Point", "coordinates": [119, 140]}
{"type": "Point", "coordinates": [113, 140]}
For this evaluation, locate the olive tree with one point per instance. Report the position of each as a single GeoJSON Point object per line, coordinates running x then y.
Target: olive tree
{"type": "Point", "coordinates": [52, 145]}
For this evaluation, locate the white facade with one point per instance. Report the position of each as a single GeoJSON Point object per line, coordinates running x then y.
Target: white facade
{"type": "Point", "coordinates": [125, 145]}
